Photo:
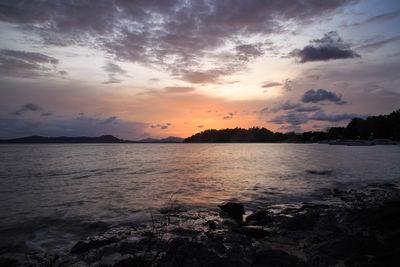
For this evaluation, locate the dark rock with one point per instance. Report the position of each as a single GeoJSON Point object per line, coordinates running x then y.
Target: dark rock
{"type": "Point", "coordinates": [118, 260]}
{"type": "Point", "coordinates": [182, 252]}
{"type": "Point", "coordinates": [233, 209]}
{"type": "Point", "coordinates": [8, 262]}
{"type": "Point", "coordinates": [251, 231]}
{"type": "Point", "coordinates": [257, 215]}
{"type": "Point", "coordinates": [302, 222]}
{"type": "Point", "coordinates": [185, 232]}
{"type": "Point", "coordinates": [211, 225]}
{"type": "Point", "coordinates": [96, 242]}
{"type": "Point", "coordinates": [271, 257]}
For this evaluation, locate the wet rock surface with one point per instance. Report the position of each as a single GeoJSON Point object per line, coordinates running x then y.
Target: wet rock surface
{"type": "Point", "coordinates": [352, 227]}
{"type": "Point", "coordinates": [234, 210]}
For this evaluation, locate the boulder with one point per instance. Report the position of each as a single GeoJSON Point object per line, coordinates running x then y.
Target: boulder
{"type": "Point", "coordinates": [251, 231]}
{"type": "Point", "coordinates": [257, 215]}
{"type": "Point", "coordinates": [233, 209]}
{"type": "Point", "coordinates": [93, 243]}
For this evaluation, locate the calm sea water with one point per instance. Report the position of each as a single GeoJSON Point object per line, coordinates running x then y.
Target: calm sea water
{"type": "Point", "coordinates": [52, 195]}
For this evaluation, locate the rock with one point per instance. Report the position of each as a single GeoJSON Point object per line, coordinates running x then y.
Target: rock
{"type": "Point", "coordinates": [96, 242]}
{"type": "Point", "coordinates": [233, 209]}
{"type": "Point", "coordinates": [257, 215]}
{"type": "Point", "coordinates": [271, 257]}
{"type": "Point", "coordinates": [302, 222]}
{"type": "Point", "coordinates": [251, 231]}
{"type": "Point", "coordinates": [118, 260]}
{"type": "Point", "coordinates": [182, 252]}
{"type": "Point", "coordinates": [185, 232]}
{"type": "Point", "coordinates": [211, 225]}
{"type": "Point", "coordinates": [8, 262]}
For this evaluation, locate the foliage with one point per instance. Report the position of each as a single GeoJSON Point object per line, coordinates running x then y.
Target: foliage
{"type": "Point", "coordinates": [374, 127]}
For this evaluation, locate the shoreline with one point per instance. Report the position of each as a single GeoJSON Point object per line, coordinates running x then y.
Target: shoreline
{"type": "Point", "coordinates": [359, 228]}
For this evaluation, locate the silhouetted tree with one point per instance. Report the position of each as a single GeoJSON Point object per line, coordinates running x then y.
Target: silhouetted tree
{"type": "Point", "coordinates": [383, 126]}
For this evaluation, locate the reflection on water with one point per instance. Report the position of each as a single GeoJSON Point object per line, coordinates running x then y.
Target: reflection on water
{"type": "Point", "coordinates": [121, 182]}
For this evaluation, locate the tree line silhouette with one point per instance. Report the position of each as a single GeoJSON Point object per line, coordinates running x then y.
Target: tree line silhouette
{"type": "Point", "coordinates": [374, 127]}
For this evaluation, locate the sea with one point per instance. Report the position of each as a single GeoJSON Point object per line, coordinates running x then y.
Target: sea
{"type": "Point", "coordinates": [52, 195]}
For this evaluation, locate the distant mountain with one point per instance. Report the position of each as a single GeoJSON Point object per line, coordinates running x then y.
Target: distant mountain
{"type": "Point", "coordinates": [170, 139]}
{"type": "Point", "coordinates": [65, 139]}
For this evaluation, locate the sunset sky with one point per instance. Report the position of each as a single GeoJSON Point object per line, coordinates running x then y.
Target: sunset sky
{"type": "Point", "coordinates": [138, 69]}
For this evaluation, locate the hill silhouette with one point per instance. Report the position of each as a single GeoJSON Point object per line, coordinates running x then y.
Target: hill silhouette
{"type": "Point", "coordinates": [65, 139]}
{"type": "Point", "coordinates": [374, 127]}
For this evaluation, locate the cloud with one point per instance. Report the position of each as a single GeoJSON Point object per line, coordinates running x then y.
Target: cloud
{"type": "Point", "coordinates": [178, 89]}
{"type": "Point", "coordinates": [175, 35]}
{"type": "Point", "coordinates": [110, 120]}
{"type": "Point", "coordinates": [312, 96]}
{"type": "Point", "coordinates": [308, 109]}
{"type": "Point", "coordinates": [378, 44]}
{"type": "Point", "coordinates": [270, 84]}
{"type": "Point", "coordinates": [26, 64]}
{"type": "Point", "coordinates": [79, 126]}
{"type": "Point", "coordinates": [288, 85]}
{"type": "Point", "coordinates": [46, 114]}
{"type": "Point", "coordinates": [200, 126]}
{"type": "Point", "coordinates": [229, 116]}
{"type": "Point", "coordinates": [291, 128]}
{"type": "Point", "coordinates": [285, 106]}
{"type": "Point", "coordinates": [330, 47]}
{"type": "Point", "coordinates": [113, 69]}
{"type": "Point", "coordinates": [298, 118]}
{"type": "Point", "coordinates": [245, 52]}
{"type": "Point", "coordinates": [321, 116]}
{"type": "Point", "coordinates": [203, 77]}
{"type": "Point", "coordinates": [28, 107]}
{"type": "Point", "coordinates": [154, 80]}
{"type": "Point", "coordinates": [264, 110]}
{"type": "Point", "coordinates": [379, 18]}
{"type": "Point", "coordinates": [161, 126]}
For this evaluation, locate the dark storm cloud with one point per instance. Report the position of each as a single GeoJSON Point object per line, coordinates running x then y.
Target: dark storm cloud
{"type": "Point", "coordinates": [113, 69]}
{"type": "Point", "coordinates": [28, 107]}
{"type": "Point", "coordinates": [172, 34]}
{"type": "Point", "coordinates": [312, 96]}
{"type": "Point", "coordinates": [25, 64]}
{"type": "Point", "coordinates": [330, 47]}
{"type": "Point", "coordinates": [80, 126]}
{"type": "Point", "coordinates": [379, 18]}
{"type": "Point", "coordinates": [178, 89]}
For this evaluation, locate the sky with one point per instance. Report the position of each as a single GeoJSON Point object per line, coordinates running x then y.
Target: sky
{"type": "Point", "coordinates": [148, 68]}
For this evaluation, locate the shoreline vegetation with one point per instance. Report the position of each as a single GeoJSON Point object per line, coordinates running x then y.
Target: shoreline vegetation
{"type": "Point", "coordinates": [346, 227]}
{"type": "Point", "coordinates": [383, 129]}
{"type": "Point", "coordinates": [375, 130]}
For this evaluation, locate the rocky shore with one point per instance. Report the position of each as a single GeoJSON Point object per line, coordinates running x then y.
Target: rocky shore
{"type": "Point", "coordinates": [345, 227]}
